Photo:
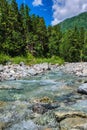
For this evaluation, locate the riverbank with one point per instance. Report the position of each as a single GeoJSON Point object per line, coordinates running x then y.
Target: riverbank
{"type": "Point", "coordinates": [79, 68]}
{"type": "Point", "coordinates": [17, 71]}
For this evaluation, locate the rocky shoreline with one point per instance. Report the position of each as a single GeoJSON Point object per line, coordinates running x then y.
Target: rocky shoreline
{"type": "Point", "coordinates": [17, 71]}
{"type": "Point", "coordinates": [79, 68]}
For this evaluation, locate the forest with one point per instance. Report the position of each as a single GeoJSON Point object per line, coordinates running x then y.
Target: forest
{"type": "Point", "coordinates": [22, 33]}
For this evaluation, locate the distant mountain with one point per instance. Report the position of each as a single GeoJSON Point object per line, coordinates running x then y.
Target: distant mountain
{"type": "Point", "coordinates": [78, 21]}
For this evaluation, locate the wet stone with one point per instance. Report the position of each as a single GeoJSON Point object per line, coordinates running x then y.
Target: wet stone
{"type": "Point", "coordinates": [82, 89]}
{"type": "Point", "coordinates": [61, 115]}
{"type": "Point", "coordinates": [43, 105]}
{"type": "Point", "coordinates": [76, 123]}
{"type": "Point", "coordinates": [39, 109]}
{"type": "Point", "coordinates": [47, 120]}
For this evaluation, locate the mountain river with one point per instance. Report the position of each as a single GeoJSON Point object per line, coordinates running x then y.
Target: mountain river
{"type": "Point", "coordinates": [31, 103]}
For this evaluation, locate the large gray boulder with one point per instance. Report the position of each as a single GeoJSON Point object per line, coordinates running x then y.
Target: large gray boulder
{"type": "Point", "coordinates": [82, 89]}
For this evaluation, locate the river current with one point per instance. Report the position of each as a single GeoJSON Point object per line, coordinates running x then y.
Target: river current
{"type": "Point", "coordinates": [46, 84]}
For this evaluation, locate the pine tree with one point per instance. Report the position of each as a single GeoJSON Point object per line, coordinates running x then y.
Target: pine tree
{"type": "Point", "coordinates": [3, 23]}
{"type": "Point", "coordinates": [54, 41]}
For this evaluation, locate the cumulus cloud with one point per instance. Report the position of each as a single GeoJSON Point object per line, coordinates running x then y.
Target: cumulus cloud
{"type": "Point", "coordinates": [37, 2]}
{"type": "Point", "coordinates": [63, 9]}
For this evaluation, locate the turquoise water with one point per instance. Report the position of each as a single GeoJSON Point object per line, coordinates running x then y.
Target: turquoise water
{"type": "Point", "coordinates": [48, 84]}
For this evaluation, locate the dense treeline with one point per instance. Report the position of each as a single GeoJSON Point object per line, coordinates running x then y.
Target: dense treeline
{"type": "Point", "coordinates": [22, 33]}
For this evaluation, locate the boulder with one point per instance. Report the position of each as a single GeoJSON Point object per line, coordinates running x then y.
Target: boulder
{"type": "Point", "coordinates": [71, 120]}
{"type": "Point", "coordinates": [73, 123]}
{"type": "Point", "coordinates": [82, 89]}
{"type": "Point", "coordinates": [32, 72]}
{"type": "Point", "coordinates": [22, 64]}
{"type": "Point", "coordinates": [39, 109]}
{"type": "Point", "coordinates": [63, 115]}
{"type": "Point", "coordinates": [44, 104]}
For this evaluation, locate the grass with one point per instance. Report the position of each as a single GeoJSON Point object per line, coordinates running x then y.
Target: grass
{"type": "Point", "coordinates": [30, 60]}
{"type": "Point", "coordinates": [52, 60]}
{"type": "Point", "coordinates": [4, 58]}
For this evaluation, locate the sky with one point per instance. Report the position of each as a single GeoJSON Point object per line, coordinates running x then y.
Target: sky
{"type": "Point", "coordinates": [55, 11]}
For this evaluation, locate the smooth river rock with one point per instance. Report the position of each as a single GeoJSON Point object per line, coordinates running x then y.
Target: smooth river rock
{"type": "Point", "coordinates": [63, 115]}
{"type": "Point", "coordinates": [73, 123]}
{"type": "Point", "coordinates": [72, 120]}
{"type": "Point", "coordinates": [82, 89]}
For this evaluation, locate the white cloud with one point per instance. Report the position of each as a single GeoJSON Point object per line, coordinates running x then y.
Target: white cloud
{"type": "Point", "coordinates": [37, 2]}
{"type": "Point", "coordinates": [63, 9]}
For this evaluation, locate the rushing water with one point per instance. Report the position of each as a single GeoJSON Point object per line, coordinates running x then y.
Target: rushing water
{"type": "Point", "coordinates": [47, 84]}
{"type": "Point", "coordinates": [57, 85]}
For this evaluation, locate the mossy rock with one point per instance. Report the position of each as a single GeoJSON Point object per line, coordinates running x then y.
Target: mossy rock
{"type": "Point", "coordinates": [46, 100]}
{"type": "Point", "coordinates": [43, 100]}
{"type": "Point", "coordinates": [2, 103]}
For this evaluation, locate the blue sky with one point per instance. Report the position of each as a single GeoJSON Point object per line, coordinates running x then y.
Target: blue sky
{"type": "Point", "coordinates": [43, 10]}
{"type": "Point", "coordinates": [55, 11]}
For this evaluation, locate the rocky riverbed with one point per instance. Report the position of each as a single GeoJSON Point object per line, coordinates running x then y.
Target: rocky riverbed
{"type": "Point", "coordinates": [79, 69]}
{"type": "Point", "coordinates": [18, 71]}
{"type": "Point", "coordinates": [43, 97]}
{"type": "Point", "coordinates": [15, 71]}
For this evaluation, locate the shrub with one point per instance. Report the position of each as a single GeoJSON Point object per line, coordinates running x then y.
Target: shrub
{"type": "Point", "coordinates": [4, 58]}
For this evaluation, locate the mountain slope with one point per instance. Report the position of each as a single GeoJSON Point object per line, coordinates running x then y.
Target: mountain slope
{"type": "Point", "coordinates": [78, 21]}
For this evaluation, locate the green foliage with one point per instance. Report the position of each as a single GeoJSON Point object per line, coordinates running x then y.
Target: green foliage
{"type": "Point", "coordinates": [54, 40]}
{"type": "Point", "coordinates": [18, 59]}
{"type": "Point", "coordinates": [30, 59]}
{"type": "Point", "coordinates": [52, 60]}
{"type": "Point", "coordinates": [4, 58]}
{"type": "Point", "coordinates": [26, 38]}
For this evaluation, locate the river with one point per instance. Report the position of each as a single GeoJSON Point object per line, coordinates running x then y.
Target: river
{"type": "Point", "coordinates": [55, 88]}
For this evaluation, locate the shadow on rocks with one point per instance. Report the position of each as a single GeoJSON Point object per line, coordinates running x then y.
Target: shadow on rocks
{"type": "Point", "coordinates": [44, 107]}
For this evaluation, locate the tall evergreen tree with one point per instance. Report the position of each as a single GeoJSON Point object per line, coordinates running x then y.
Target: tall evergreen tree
{"type": "Point", "coordinates": [54, 40]}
